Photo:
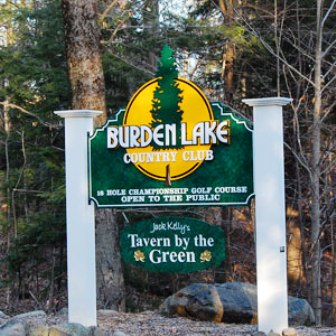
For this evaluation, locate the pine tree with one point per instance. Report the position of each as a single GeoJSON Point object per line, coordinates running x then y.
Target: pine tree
{"type": "Point", "coordinates": [167, 98]}
{"type": "Point", "coordinates": [33, 83]}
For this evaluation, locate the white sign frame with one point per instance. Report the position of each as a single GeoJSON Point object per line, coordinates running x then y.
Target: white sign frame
{"type": "Point", "coordinates": [268, 164]}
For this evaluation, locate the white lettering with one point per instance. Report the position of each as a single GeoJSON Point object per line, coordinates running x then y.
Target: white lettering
{"type": "Point", "coordinates": [137, 241]}
{"type": "Point", "coordinates": [223, 132]}
{"type": "Point", "coordinates": [203, 133]}
{"type": "Point", "coordinates": [158, 257]}
{"type": "Point", "coordinates": [112, 137]}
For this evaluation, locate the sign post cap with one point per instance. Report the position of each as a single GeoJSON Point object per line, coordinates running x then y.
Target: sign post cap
{"type": "Point", "coordinates": [267, 101]}
{"type": "Point", "coordinates": [78, 113]}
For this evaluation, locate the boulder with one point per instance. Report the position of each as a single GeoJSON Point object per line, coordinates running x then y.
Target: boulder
{"type": "Point", "coordinates": [32, 319]}
{"type": "Point", "coordinates": [197, 301]}
{"type": "Point", "coordinates": [13, 329]}
{"type": "Point", "coordinates": [40, 331]}
{"type": "Point", "coordinates": [35, 324]}
{"type": "Point", "coordinates": [24, 323]}
{"type": "Point", "coordinates": [67, 329]}
{"type": "Point", "coordinates": [300, 312]}
{"type": "Point", "coordinates": [3, 317]}
{"type": "Point", "coordinates": [233, 302]}
{"type": "Point", "coordinates": [289, 332]}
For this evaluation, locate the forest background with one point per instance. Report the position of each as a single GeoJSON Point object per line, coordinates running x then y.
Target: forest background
{"type": "Point", "coordinates": [58, 55]}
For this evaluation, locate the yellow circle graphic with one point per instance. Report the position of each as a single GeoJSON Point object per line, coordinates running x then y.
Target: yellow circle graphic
{"type": "Point", "coordinates": [169, 163]}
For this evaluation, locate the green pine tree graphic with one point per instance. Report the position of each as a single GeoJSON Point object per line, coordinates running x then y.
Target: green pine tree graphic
{"type": "Point", "coordinates": [167, 96]}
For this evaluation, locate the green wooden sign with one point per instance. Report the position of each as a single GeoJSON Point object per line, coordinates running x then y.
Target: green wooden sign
{"type": "Point", "coordinates": [173, 244]}
{"type": "Point", "coordinates": [171, 147]}
{"type": "Point", "coordinates": [215, 174]}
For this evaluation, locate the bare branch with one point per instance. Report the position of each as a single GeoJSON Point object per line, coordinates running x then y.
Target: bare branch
{"type": "Point", "coordinates": [137, 67]}
{"type": "Point", "coordinates": [328, 13]}
{"type": "Point", "coordinates": [117, 29]}
{"type": "Point", "coordinates": [107, 10]}
{"type": "Point", "coordinates": [330, 46]}
{"type": "Point", "coordinates": [21, 109]}
{"type": "Point", "coordinates": [299, 49]}
{"type": "Point", "coordinates": [303, 164]}
{"type": "Point", "coordinates": [332, 67]}
{"type": "Point", "coordinates": [327, 111]}
{"type": "Point", "coordinates": [329, 168]}
{"type": "Point", "coordinates": [328, 84]}
{"type": "Point", "coordinates": [273, 53]}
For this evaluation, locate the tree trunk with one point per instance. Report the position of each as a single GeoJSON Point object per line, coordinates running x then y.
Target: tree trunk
{"type": "Point", "coordinates": [229, 55]}
{"type": "Point", "coordinates": [315, 179]}
{"type": "Point", "coordinates": [85, 69]}
{"type": "Point", "coordinates": [110, 280]}
{"type": "Point", "coordinates": [151, 19]}
{"type": "Point", "coordinates": [88, 92]}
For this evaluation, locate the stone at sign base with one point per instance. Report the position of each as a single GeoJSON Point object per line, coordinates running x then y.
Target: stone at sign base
{"type": "Point", "coordinates": [17, 329]}
{"type": "Point", "coordinates": [289, 332]}
{"type": "Point", "coordinates": [232, 302]}
{"type": "Point", "coordinates": [67, 329]}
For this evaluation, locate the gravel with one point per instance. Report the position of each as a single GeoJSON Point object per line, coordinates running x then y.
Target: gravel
{"type": "Point", "coordinates": [151, 323]}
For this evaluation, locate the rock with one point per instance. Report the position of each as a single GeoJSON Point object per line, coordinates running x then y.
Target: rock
{"type": "Point", "coordinates": [31, 320]}
{"type": "Point", "coordinates": [13, 329]}
{"type": "Point", "coordinates": [95, 331]}
{"type": "Point", "coordinates": [197, 301]}
{"type": "Point", "coordinates": [239, 302]}
{"type": "Point", "coordinates": [27, 322]}
{"type": "Point", "coordinates": [207, 306]}
{"type": "Point", "coordinates": [233, 302]}
{"type": "Point", "coordinates": [36, 314]}
{"type": "Point", "coordinates": [41, 331]}
{"type": "Point", "coordinates": [69, 329]}
{"type": "Point", "coordinates": [300, 312]}
{"type": "Point", "coordinates": [35, 324]}
{"type": "Point", "coordinates": [289, 332]}
{"type": "Point", "coordinates": [3, 317]}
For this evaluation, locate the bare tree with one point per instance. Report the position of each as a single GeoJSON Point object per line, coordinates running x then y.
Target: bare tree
{"type": "Point", "coordinates": [305, 43]}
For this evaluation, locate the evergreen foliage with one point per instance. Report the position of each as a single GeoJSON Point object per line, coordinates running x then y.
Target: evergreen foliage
{"type": "Point", "coordinates": [167, 96]}
{"type": "Point", "coordinates": [34, 84]}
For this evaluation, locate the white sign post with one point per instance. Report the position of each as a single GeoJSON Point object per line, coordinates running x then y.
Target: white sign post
{"type": "Point", "coordinates": [269, 188]}
{"type": "Point", "coordinates": [80, 219]}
